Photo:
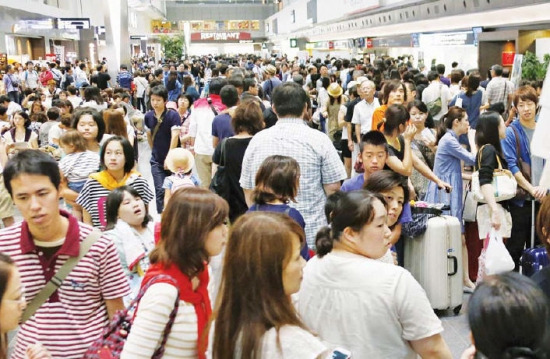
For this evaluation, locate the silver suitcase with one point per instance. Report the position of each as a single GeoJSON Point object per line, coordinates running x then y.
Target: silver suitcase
{"type": "Point", "coordinates": [435, 261]}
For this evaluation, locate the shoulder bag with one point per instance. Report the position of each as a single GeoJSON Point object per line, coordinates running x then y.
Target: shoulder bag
{"type": "Point", "coordinates": [56, 281]}
{"type": "Point", "coordinates": [218, 184]}
{"type": "Point", "coordinates": [504, 182]}
{"type": "Point", "coordinates": [157, 126]}
{"type": "Point", "coordinates": [112, 341]}
{"type": "Point", "coordinates": [525, 169]}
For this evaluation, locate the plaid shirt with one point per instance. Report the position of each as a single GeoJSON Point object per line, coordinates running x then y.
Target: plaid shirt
{"type": "Point", "coordinates": [319, 165]}
{"type": "Point", "coordinates": [498, 90]}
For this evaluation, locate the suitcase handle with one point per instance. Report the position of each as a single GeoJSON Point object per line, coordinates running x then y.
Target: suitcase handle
{"type": "Point", "coordinates": [455, 265]}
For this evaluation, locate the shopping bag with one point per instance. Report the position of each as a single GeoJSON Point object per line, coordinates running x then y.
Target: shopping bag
{"type": "Point", "coordinates": [497, 258]}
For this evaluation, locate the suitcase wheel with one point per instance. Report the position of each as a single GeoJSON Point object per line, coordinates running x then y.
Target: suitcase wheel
{"type": "Point", "coordinates": [456, 310]}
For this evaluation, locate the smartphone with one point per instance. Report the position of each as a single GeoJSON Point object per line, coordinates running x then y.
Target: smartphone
{"type": "Point", "coordinates": [340, 353]}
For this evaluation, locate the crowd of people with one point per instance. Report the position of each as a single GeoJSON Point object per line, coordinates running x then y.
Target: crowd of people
{"type": "Point", "coordinates": [285, 191]}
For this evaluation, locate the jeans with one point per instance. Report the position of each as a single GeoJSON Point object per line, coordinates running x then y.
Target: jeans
{"type": "Point", "coordinates": [521, 230]}
{"type": "Point", "coordinates": [14, 96]}
{"type": "Point", "coordinates": [159, 174]}
{"type": "Point", "coordinates": [141, 104]}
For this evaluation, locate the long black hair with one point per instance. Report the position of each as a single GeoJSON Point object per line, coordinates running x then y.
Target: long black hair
{"type": "Point", "coordinates": [487, 131]}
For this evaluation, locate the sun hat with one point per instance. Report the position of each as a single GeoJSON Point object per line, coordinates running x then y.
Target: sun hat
{"type": "Point", "coordinates": [335, 90]}
{"type": "Point", "coordinates": [179, 160]}
{"type": "Point", "coordinates": [270, 69]}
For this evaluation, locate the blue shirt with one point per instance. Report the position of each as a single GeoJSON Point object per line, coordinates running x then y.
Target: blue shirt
{"type": "Point", "coordinates": [161, 142]}
{"type": "Point", "coordinates": [221, 126]}
{"type": "Point", "coordinates": [284, 208]}
{"type": "Point", "coordinates": [353, 184]}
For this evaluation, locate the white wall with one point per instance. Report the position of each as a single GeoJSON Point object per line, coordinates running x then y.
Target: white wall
{"type": "Point", "coordinates": [197, 49]}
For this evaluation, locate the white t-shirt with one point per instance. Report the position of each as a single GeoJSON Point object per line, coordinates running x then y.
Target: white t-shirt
{"type": "Point", "coordinates": [435, 90]}
{"type": "Point", "coordinates": [366, 306]}
{"type": "Point", "coordinates": [55, 133]}
{"type": "Point", "coordinates": [362, 114]}
{"type": "Point", "coordinates": [295, 343]}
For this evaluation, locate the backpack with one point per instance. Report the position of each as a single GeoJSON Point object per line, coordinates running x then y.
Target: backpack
{"type": "Point", "coordinates": [111, 342]}
{"type": "Point", "coordinates": [181, 182]}
{"type": "Point", "coordinates": [435, 106]}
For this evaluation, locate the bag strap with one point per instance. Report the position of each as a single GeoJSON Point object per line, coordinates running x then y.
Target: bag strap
{"type": "Point", "coordinates": [518, 151]}
{"type": "Point", "coordinates": [212, 106]}
{"type": "Point", "coordinates": [481, 153]}
{"type": "Point", "coordinates": [157, 126]}
{"type": "Point", "coordinates": [58, 278]}
{"type": "Point", "coordinates": [223, 152]}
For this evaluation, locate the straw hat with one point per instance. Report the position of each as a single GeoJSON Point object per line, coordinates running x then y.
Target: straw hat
{"type": "Point", "coordinates": [270, 69]}
{"type": "Point", "coordinates": [335, 90]}
{"type": "Point", "coordinates": [179, 160]}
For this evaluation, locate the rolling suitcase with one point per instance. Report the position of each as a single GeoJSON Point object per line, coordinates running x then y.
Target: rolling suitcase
{"type": "Point", "coordinates": [534, 258]}
{"type": "Point", "coordinates": [435, 261]}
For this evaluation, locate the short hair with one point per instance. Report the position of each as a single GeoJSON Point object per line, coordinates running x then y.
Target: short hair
{"type": "Point", "coordinates": [216, 85]}
{"type": "Point", "coordinates": [440, 68]}
{"type": "Point", "coordinates": [276, 179]}
{"type": "Point", "coordinates": [385, 180]}
{"type": "Point", "coordinates": [299, 79]}
{"type": "Point", "coordinates": [289, 99]}
{"type": "Point", "coordinates": [127, 148]}
{"type": "Point", "coordinates": [248, 117]}
{"type": "Point", "coordinates": [96, 116]}
{"type": "Point", "coordinates": [72, 89]}
{"type": "Point", "coordinates": [73, 138]}
{"type": "Point", "coordinates": [4, 98]}
{"type": "Point", "coordinates": [3, 110]}
{"type": "Point", "coordinates": [497, 69]}
{"type": "Point", "coordinates": [160, 91]}
{"type": "Point", "coordinates": [236, 80]}
{"type": "Point", "coordinates": [508, 315]}
{"type": "Point", "coordinates": [31, 162]}
{"type": "Point", "coordinates": [432, 75]}
{"type": "Point", "coordinates": [39, 117]}
{"type": "Point", "coordinates": [53, 113]}
{"type": "Point", "coordinates": [114, 200]}
{"type": "Point", "coordinates": [248, 83]}
{"type": "Point", "coordinates": [374, 138]}
{"type": "Point", "coordinates": [229, 95]}
{"type": "Point", "coordinates": [456, 76]}
{"type": "Point", "coordinates": [191, 213]}
{"type": "Point", "coordinates": [526, 93]}
{"type": "Point", "coordinates": [158, 72]}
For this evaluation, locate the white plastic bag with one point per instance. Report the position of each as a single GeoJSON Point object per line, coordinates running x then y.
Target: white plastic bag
{"type": "Point", "coordinates": [497, 258]}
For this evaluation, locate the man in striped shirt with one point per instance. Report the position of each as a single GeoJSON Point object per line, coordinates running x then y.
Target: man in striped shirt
{"type": "Point", "coordinates": [75, 315]}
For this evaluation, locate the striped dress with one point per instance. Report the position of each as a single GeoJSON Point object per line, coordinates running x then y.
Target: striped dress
{"type": "Point", "coordinates": [76, 314]}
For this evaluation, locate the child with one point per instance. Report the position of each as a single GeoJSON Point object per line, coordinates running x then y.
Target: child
{"type": "Point", "coordinates": [180, 162]}
{"type": "Point", "coordinates": [277, 182]}
{"type": "Point", "coordinates": [78, 163]}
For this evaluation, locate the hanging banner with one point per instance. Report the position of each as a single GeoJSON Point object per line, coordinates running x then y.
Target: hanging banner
{"type": "Point", "coordinates": [59, 52]}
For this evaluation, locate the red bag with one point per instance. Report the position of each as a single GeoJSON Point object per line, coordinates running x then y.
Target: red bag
{"type": "Point", "coordinates": [358, 165]}
{"type": "Point", "coordinates": [112, 341]}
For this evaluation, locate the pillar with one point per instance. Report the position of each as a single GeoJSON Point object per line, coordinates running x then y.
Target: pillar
{"type": "Point", "coordinates": [117, 37]}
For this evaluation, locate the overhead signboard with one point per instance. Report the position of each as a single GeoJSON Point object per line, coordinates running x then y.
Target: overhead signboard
{"type": "Point", "coordinates": [226, 36]}
{"type": "Point", "coordinates": [73, 23]}
{"type": "Point", "coordinates": [447, 39]}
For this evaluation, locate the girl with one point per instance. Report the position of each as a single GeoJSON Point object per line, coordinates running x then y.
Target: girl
{"type": "Point", "coordinates": [262, 269]}
{"type": "Point", "coordinates": [78, 163]}
{"type": "Point", "coordinates": [21, 136]}
{"type": "Point", "coordinates": [332, 107]}
{"type": "Point", "coordinates": [277, 182]}
{"type": "Point", "coordinates": [184, 110]}
{"type": "Point", "coordinates": [422, 146]}
{"type": "Point", "coordinates": [193, 228]}
{"type": "Point", "coordinates": [117, 161]}
{"type": "Point", "coordinates": [447, 166]}
{"type": "Point", "coordinates": [132, 230]}
{"type": "Point", "coordinates": [348, 294]}
{"type": "Point", "coordinates": [180, 162]}
{"type": "Point", "coordinates": [90, 124]}
{"type": "Point", "coordinates": [12, 305]}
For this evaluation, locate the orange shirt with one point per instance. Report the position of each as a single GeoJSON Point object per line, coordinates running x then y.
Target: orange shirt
{"type": "Point", "coordinates": [377, 117]}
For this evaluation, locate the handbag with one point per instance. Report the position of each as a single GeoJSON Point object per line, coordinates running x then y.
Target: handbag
{"type": "Point", "coordinates": [497, 258]}
{"type": "Point", "coordinates": [504, 183]}
{"type": "Point", "coordinates": [57, 280]}
{"type": "Point", "coordinates": [218, 184]}
{"type": "Point", "coordinates": [111, 343]}
{"type": "Point", "coordinates": [469, 212]}
{"type": "Point", "coordinates": [358, 165]}
{"type": "Point", "coordinates": [525, 169]}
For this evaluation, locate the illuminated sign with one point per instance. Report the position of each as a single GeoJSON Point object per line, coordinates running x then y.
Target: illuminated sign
{"type": "Point", "coordinates": [73, 23]}
{"type": "Point", "coordinates": [220, 36]}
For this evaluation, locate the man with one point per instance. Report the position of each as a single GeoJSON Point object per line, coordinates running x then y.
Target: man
{"type": "Point", "coordinates": [323, 71]}
{"type": "Point", "coordinates": [257, 69]}
{"type": "Point", "coordinates": [362, 114]}
{"type": "Point", "coordinates": [440, 68]}
{"type": "Point", "coordinates": [75, 315]}
{"type": "Point", "coordinates": [435, 91]}
{"type": "Point", "coordinates": [200, 129]}
{"type": "Point", "coordinates": [68, 78]}
{"type": "Point", "coordinates": [221, 125]}
{"type": "Point", "coordinates": [250, 91]}
{"type": "Point", "coordinates": [30, 77]}
{"type": "Point", "coordinates": [373, 155]}
{"type": "Point", "coordinates": [124, 78]}
{"type": "Point", "coordinates": [57, 75]}
{"type": "Point", "coordinates": [320, 166]}
{"type": "Point", "coordinates": [271, 81]}
{"type": "Point", "coordinates": [12, 85]}
{"type": "Point", "coordinates": [10, 105]}
{"type": "Point", "coordinates": [499, 89]}
{"type": "Point", "coordinates": [163, 128]}
{"type": "Point", "coordinates": [80, 76]}
{"type": "Point", "coordinates": [103, 77]}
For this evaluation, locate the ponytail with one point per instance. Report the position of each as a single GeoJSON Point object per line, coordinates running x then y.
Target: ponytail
{"type": "Point", "coordinates": [446, 122]}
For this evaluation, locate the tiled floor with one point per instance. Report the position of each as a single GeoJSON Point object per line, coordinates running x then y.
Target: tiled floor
{"type": "Point", "coordinates": [457, 332]}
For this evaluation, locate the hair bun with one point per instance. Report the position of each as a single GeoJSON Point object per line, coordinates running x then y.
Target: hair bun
{"type": "Point", "coordinates": [520, 353]}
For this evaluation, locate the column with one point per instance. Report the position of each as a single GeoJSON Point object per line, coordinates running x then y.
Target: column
{"type": "Point", "coordinates": [117, 37]}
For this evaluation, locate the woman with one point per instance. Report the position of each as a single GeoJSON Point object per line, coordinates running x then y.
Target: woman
{"type": "Point", "coordinates": [37, 106]}
{"type": "Point", "coordinates": [189, 88]}
{"type": "Point", "coordinates": [489, 131]}
{"type": "Point", "coordinates": [93, 99]}
{"type": "Point", "coordinates": [132, 230]}
{"type": "Point", "coordinates": [247, 121]}
{"type": "Point", "coordinates": [508, 316]}
{"type": "Point", "coordinates": [193, 228]}
{"type": "Point", "coordinates": [117, 160]}
{"type": "Point", "coordinates": [422, 146]}
{"type": "Point", "coordinates": [394, 92]}
{"type": "Point", "coordinates": [184, 110]}
{"type": "Point", "coordinates": [262, 269]}
{"type": "Point", "coordinates": [141, 85]}
{"type": "Point", "coordinates": [349, 298]}
{"type": "Point", "coordinates": [447, 166]}
{"type": "Point", "coordinates": [471, 100]}
{"type": "Point", "coordinates": [173, 86]}
{"type": "Point", "coordinates": [115, 125]}
{"type": "Point", "coordinates": [45, 76]}
{"type": "Point", "coordinates": [21, 136]}
{"type": "Point", "coordinates": [332, 108]}
{"type": "Point", "coordinates": [12, 305]}
{"type": "Point", "coordinates": [90, 124]}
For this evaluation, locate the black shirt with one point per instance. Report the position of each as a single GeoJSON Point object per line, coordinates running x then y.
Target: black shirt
{"type": "Point", "coordinates": [488, 164]}
{"type": "Point", "coordinates": [542, 278]}
{"type": "Point", "coordinates": [234, 154]}
{"type": "Point", "coordinates": [102, 80]}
